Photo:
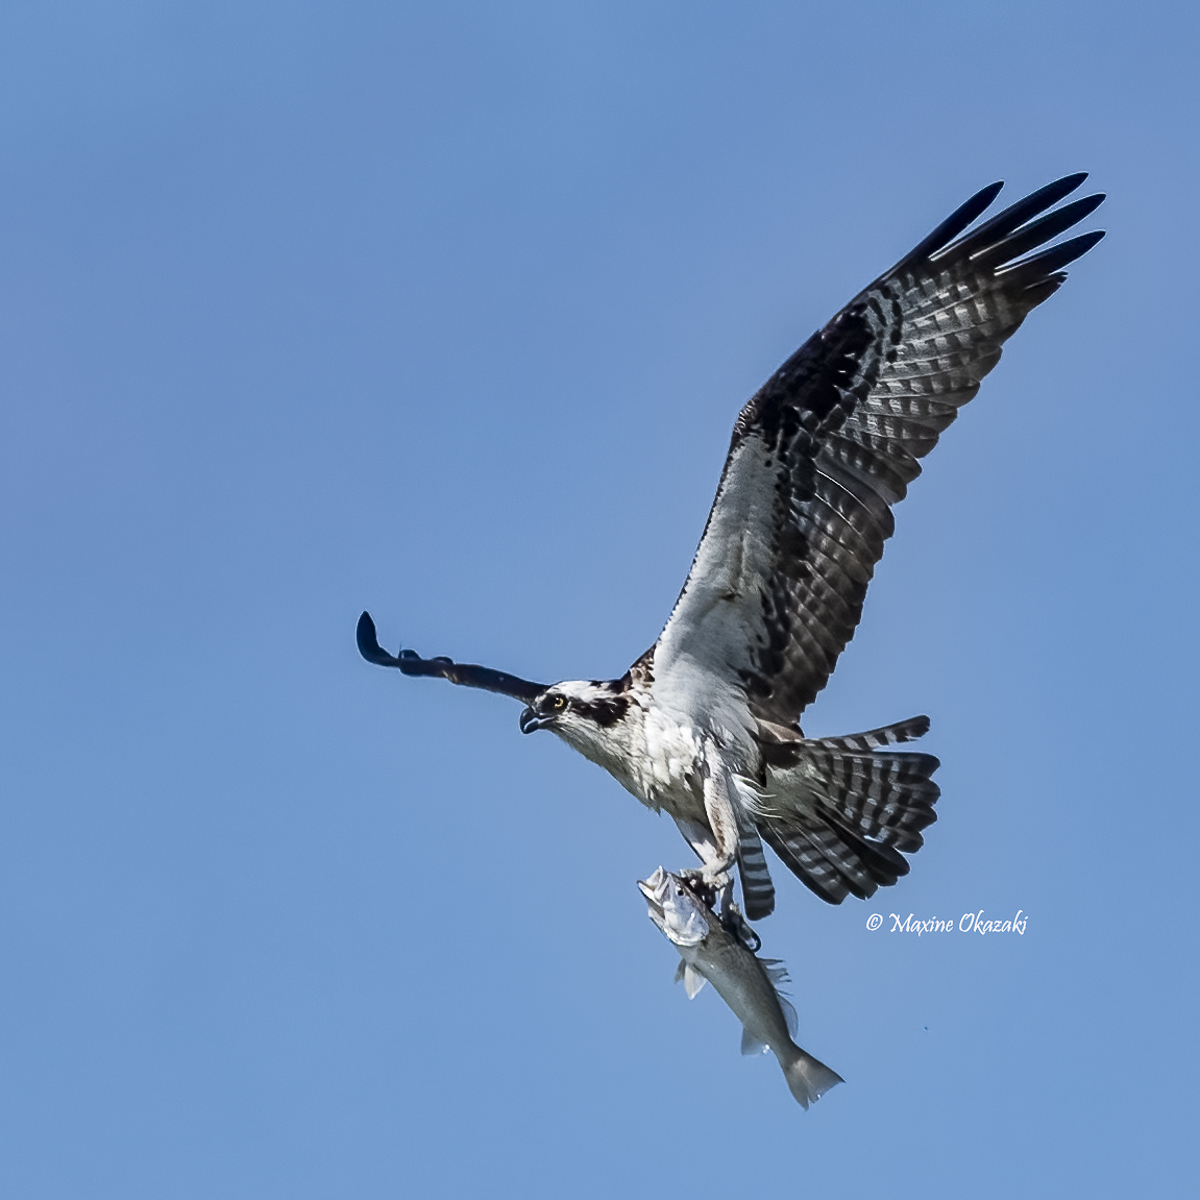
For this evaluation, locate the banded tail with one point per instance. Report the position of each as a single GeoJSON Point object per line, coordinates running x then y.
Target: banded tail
{"type": "Point", "coordinates": [840, 811]}
{"type": "Point", "coordinates": [758, 892]}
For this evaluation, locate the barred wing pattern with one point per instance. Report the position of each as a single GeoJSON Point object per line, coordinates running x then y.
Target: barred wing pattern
{"type": "Point", "coordinates": [821, 454]}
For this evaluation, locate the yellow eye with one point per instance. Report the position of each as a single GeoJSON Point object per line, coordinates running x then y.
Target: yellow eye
{"type": "Point", "coordinates": [558, 703]}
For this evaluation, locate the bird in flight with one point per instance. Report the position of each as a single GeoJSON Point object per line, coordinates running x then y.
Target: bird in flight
{"type": "Point", "coordinates": [705, 724]}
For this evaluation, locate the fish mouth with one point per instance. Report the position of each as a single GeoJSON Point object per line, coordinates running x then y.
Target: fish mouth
{"type": "Point", "coordinates": [655, 890]}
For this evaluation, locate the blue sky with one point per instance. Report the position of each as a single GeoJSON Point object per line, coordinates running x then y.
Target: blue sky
{"type": "Point", "coordinates": [447, 311]}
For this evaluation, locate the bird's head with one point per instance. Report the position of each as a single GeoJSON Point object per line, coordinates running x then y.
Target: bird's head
{"type": "Point", "coordinates": [575, 709]}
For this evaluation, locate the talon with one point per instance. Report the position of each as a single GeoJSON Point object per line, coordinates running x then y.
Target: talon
{"type": "Point", "coordinates": [699, 886]}
{"type": "Point", "coordinates": [718, 874]}
{"type": "Point", "coordinates": [738, 927]}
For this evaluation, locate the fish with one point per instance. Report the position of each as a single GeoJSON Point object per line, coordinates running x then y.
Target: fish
{"type": "Point", "coordinates": [711, 953]}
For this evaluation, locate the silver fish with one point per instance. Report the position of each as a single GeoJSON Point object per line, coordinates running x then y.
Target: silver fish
{"type": "Point", "coordinates": [747, 983]}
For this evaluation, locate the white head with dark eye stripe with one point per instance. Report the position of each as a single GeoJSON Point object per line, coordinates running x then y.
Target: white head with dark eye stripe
{"type": "Point", "coordinates": [576, 709]}
{"type": "Point", "coordinates": [602, 720]}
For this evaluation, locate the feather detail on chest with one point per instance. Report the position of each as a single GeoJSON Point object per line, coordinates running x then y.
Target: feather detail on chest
{"type": "Point", "coordinates": [652, 755]}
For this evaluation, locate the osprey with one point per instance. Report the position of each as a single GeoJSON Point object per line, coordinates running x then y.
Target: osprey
{"type": "Point", "coordinates": [705, 724]}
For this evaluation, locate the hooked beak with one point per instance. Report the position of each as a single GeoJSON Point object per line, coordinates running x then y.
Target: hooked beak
{"type": "Point", "coordinates": [530, 720]}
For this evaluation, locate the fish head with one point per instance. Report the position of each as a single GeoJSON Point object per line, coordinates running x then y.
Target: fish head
{"type": "Point", "coordinates": [675, 909]}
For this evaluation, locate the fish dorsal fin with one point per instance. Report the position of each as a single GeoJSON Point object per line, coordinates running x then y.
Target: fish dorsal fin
{"type": "Point", "coordinates": [776, 971]}
{"type": "Point", "coordinates": [751, 1044]}
{"type": "Point", "coordinates": [679, 970]}
{"type": "Point", "coordinates": [777, 974]}
{"type": "Point", "coordinates": [693, 981]}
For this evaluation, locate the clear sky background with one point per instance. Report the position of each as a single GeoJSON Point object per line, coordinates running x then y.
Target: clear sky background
{"type": "Point", "coordinates": [446, 310]}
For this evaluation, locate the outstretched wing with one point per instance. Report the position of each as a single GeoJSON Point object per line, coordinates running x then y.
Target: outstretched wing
{"type": "Point", "coordinates": [409, 662]}
{"type": "Point", "coordinates": [833, 440]}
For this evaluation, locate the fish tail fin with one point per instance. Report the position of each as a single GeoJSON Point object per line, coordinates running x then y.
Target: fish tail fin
{"type": "Point", "coordinates": [807, 1078]}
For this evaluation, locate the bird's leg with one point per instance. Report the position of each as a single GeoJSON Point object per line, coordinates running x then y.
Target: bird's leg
{"type": "Point", "coordinates": [715, 841]}
{"type": "Point", "coordinates": [713, 892]}
{"type": "Point", "coordinates": [722, 820]}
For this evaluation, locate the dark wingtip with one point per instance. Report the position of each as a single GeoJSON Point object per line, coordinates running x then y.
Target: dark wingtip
{"type": "Point", "coordinates": [985, 196]}
{"type": "Point", "coordinates": [1057, 189]}
{"type": "Point", "coordinates": [368, 643]}
{"type": "Point", "coordinates": [1061, 255]}
{"type": "Point", "coordinates": [956, 222]}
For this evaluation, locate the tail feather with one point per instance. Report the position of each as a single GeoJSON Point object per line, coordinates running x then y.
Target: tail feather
{"type": "Point", "coordinates": [839, 811]}
{"type": "Point", "coordinates": [886, 796]}
{"type": "Point", "coordinates": [758, 892]}
{"type": "Point", "coordinates": [831, 861]}
{"type": "Point", "coordinates": [808, 1079]}
{"type": "Point", "coordinates": [887, 735]}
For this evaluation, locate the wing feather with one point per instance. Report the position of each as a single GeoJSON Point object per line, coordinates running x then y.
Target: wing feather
{"type": "Point", "coordinates": [833, 440]}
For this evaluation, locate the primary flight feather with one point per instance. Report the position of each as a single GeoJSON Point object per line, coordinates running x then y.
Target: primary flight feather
{"type": "Point", "coordinates": [705, 725]}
